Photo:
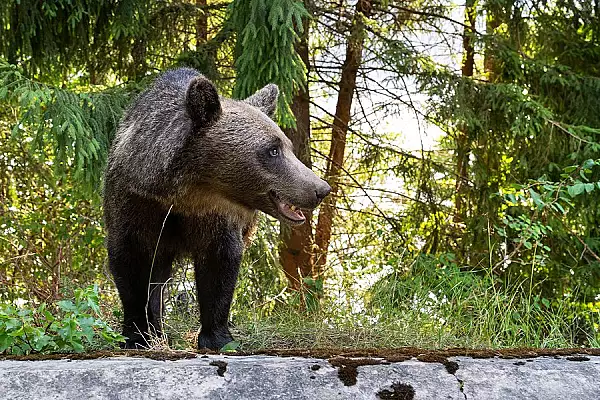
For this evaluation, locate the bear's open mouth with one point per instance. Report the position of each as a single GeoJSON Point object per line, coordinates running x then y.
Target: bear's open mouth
{"type": "Point", "coordinates": [287, 210]}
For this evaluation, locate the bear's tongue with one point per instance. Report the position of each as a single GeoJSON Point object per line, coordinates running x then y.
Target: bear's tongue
{"type": "Point", "coordinates": [290, 211]}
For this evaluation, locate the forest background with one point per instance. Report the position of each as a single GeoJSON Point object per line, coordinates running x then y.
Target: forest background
{"type": "Point", "coordinates": [461, 140]}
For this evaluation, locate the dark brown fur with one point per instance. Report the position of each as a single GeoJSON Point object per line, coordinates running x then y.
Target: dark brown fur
{"type": "Point", "coordinates": [186, 175]}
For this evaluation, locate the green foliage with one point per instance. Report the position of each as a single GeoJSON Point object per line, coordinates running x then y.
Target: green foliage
{"type": "Point", "coordinates": [529, 125]}
{"type": "Point", "coordinates": [79, 126]}
{"type": "Point", "coordinates": [519, 265]}
{"type": "Point", "coordinates": [312, 293]}
{"type": "Point", "coordinates": [541, 217]}
{"type": "Point", "coordinates": [261, 279]}
{"type": "Point", "coordinates": [266, 34]}
{"type": "Point", "coordinates": [230, 347]}
{"type": "Point", "coordinates": [204, 57]}
{"type": "Point", "coordinates": [73, 326]}
{"type": "Point", "coordinates": [94, 38]}
{"type": "Point", "coordinates": [50, 228]}
{"type": "Point", "coordinates": [477, 304]}
{"type": "Point", "coordinates": [51, 37]}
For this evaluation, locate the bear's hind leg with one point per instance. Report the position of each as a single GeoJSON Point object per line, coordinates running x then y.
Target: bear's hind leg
{"type": "Point", "coordinates": [216, 275]}
{"type": "Point", "coordinates": [131, 271]}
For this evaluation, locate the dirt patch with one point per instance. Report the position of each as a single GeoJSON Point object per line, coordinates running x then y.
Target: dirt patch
{"type": "Point", "coordinates": [451, 366]}
{"type": "Point", "coordinates": [221, 367]}
{"type": "Point", "coordinates": [348, 374]}
{"type": "Point", "coordinates": [400, 391]}
{"type": "Point", "coordinates": [347, 367]}
{"type": "Point", "coordinates": [432, 357]}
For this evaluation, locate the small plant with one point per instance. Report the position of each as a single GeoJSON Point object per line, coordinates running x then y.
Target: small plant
{"type": "Point", "coordinates": [73, 326]}
{"type": "Point", "coordinates": [312, 293]}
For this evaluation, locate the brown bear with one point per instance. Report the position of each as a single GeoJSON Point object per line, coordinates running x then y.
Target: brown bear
{"type": "Point", "coordinates": [186, 174]}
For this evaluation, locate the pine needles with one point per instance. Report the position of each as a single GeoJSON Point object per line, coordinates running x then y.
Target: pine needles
{"type": "Point", "coordinates": [78, 126]}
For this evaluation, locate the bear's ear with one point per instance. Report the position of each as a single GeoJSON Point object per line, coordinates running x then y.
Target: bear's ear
{"type": "Point", "coordinates": [265, 99]}
{"type": "Point", "coordinates": [202, 102]}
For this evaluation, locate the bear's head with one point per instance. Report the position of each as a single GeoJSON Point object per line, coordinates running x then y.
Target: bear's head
{"type": "Point", "coordinates": [246, 157]}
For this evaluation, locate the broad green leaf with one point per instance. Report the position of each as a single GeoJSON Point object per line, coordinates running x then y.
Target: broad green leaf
{"type": "Point", "coordinates": [230, 347]}
{"type": "Point", "coordinates": [576, 189]}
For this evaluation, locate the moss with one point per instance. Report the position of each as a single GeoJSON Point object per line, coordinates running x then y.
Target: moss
{"type": "Point", "coordinates": [578, 358]}
{"type": "Point", "coordinates": [400, 391]}
{"type": "Point", "coordinates": [451, 366]}
{"type": "Point", "coordinates": [384, 355]}
{"type": "Point", "coordinates": [348, 367]}
{"type": "Point", "coordinates": [151, 354]}
{"type": "Point", "coordinates": [406, 353]}
{"type": "Point", "coordinates": [221, 367]}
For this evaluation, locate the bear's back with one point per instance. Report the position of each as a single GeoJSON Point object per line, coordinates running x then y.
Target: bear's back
{"type": "Point", "coordinates": [152, 133]}
{"type": "Point", "coordinates": [178, 79]}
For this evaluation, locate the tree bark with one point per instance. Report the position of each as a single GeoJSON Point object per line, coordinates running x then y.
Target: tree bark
{"type": "Point", "coordinates": [201, 23]}
{"type": "Point", "coordinates": [296, 251]}
{"type": "Point", "coordinates": [493, 70]}
{"type": "Point", "coordinates": [462, 138]}
{"type": "Point", "coordinates": [340, 129]}
{"type": "Point", "coordinates": [493, 20]}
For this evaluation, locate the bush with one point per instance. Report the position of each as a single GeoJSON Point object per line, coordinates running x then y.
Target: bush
{"type": "Point", "coordinates": [74, 326]}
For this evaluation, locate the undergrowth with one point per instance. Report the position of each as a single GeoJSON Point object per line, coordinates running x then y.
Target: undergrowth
{"type": "Point", "coordinates": [66, 326]}
{"type": "Point", "coordinates": [431, 303]}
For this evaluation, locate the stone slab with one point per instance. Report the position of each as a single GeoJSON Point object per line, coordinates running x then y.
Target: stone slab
{"type": "Point", "coordinates": [268, 377]}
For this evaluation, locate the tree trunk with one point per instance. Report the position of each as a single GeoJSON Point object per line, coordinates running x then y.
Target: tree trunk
{"type": "Point", "coordinates": [339, 130]}
{"type": "Point", "coordinates": [296, 251]}
{"type": "Point", "coordinates": [201, 23]}
{"type": "Point", "coordinates": [494, 18]}
{"type": "Point", "coordinates": [462, 138]}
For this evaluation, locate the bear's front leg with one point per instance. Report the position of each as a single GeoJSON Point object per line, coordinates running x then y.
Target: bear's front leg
{"type": "Point", "coordinates": [216, 270]}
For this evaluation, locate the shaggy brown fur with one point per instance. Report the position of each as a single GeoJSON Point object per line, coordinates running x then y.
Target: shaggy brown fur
{"type": "Point", "coordinates": [187, 173]}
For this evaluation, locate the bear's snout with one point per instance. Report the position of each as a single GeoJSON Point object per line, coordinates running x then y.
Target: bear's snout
{"type": "Point", "coordinates": [322, 191]}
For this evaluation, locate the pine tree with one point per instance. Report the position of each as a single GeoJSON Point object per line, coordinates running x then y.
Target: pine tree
{"type": "Point", "coordinates": [341, 121]}
{"type": "Point", "coordinates": [296, 251]}
{"type": "Point", "coordinates": [267, 32]}
{"type": "Point", "coordinates": [531, 115]}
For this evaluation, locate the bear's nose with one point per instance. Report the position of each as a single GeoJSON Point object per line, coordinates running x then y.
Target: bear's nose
{"type": "Point", "coordinates": [322, 190]}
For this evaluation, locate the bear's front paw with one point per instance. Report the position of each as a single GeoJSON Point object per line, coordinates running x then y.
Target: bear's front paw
{"type": "Point", "coordinates": [214, 340]}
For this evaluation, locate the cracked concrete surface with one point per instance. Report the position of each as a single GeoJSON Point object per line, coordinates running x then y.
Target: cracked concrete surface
{"type": "Point", "coordinates": [268, 377]}
{"type": "Point", "coordinates": [535, 378]}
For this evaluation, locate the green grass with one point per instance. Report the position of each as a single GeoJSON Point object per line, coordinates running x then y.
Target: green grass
{"type": "Point", "coordinates": [290, 329]}
{"type": "Point", "coordinates": [433, 304]}
{"type": "Point", "coordinates": [473, 316]}
{"type": "Point", "coordinates": [430, 305]}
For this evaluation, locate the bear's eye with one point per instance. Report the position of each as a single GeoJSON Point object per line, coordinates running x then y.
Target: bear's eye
{"type": "Point", "coordinates": [274, 152]}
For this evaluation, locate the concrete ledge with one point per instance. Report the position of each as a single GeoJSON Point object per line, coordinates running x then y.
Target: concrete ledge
{"type": "Point", "coordinates": [268, 377]}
